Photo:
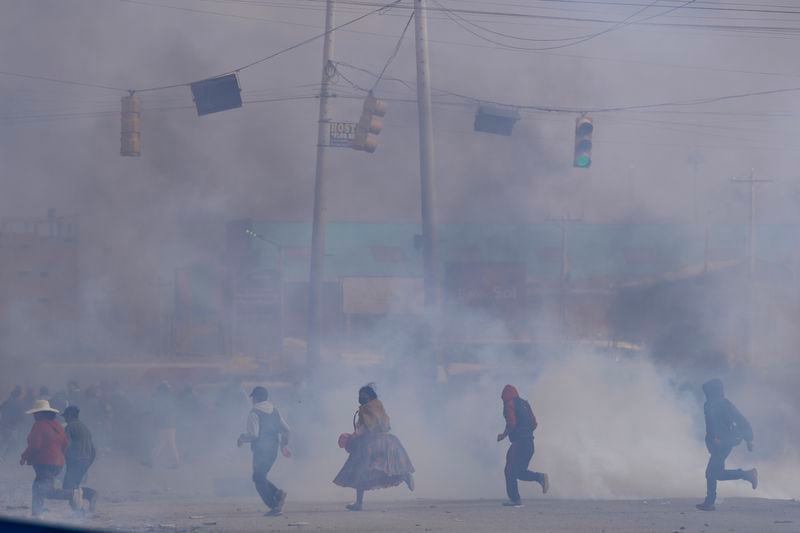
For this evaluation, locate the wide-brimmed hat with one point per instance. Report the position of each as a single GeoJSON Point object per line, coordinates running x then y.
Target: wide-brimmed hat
{"type": "Point", "coordinates": [41, 406]}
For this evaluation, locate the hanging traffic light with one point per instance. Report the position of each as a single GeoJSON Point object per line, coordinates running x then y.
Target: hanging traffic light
{"type": "Point", "coordinates": [583, 142]}
{"type": "Point", "coordinates": [130, 136]}
{"type": "Point", "coordinates": [369, 125]}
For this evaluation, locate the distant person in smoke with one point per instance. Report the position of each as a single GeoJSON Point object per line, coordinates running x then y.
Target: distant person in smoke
{"type": "Point", "coordinates": [47, 442]}
{"type": "Point", "coordinates": [520, 424]}
{"type": "Point", "coordinates": [726, 427]}
{"type": "Point", "coordinates": [266, 432]}
{"type": "Point", "coordinates": [80, 455]}
{"type": "Point", "coordinates": [377, 459]}
{"type": "Point", "coordinates": [12, 415]}
{"type": "Point", "coordinates": [165, 418]}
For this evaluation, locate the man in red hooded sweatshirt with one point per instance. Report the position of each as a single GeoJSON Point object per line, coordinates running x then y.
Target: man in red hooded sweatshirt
{"type": "Point", "coordinates": [47, 442]}
{"type": "Point", "coordinates": [520, 423]}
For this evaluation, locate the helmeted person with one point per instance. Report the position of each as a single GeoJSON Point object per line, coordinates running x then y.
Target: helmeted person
{"type": "Point", "coordinates": [726, 427]}
{"type": "Point", "coordinates": [267, 433]}
{"type": "Point", "coordinates": [520, 424]}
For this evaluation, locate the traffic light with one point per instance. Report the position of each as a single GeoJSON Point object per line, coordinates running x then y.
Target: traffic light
{"type": "Point", "coordinates": [583, 142]}
{"type": "Point", "coordinates": [369, 125]}
{"type": "Point", "coordinates": [130, 139]}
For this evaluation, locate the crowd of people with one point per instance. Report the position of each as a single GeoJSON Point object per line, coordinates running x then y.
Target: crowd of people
{"type": "Point", "coordinates": [376, 458]}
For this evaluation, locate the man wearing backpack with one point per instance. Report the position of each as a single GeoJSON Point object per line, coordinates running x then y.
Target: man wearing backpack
{"type": "Point", "coordinates": [267, 433]}
{"type": "Point", "coordinates": [520, 424]}
{"type": "Point", "coordinates": [726, 427]}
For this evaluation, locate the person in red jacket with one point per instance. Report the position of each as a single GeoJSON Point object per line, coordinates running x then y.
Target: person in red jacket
{"type": "Point", "coordinates": [520, 424]}
{"type": "Point", "coordinates": [47, 442]}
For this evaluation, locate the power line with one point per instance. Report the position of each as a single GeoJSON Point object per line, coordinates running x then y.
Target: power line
{"type": "Point", "coordinates": [577, 40]}
{"type": "Point", "coordinates": [394, 53]}
{"type": "Point", "coordinates": [283, 51]}
{"type": "Point", "coordinates": [65, 82]}
{"type": "Point", "coordinates": [636, 107]}
{"type": "Point", "coordinates": [580, 38]}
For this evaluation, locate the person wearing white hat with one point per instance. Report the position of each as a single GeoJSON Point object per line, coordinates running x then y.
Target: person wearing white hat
{"type": "Point", "coordinates": [47, 442]}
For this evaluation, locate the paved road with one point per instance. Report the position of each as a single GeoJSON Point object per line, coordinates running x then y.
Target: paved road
{"type": "Point", "coordinates": [578, 516]}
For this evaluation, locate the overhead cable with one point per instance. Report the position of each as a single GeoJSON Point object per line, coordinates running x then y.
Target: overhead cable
{"type": "Point", "coordinates": [283, 51]}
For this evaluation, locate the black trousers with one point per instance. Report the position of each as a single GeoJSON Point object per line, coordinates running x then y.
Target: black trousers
{"type": "Point", "coordinates": [44, 487]}
{"type": "Point", "coordinates": [75, 476]}
{"type": "Point", "coordinates": [517, 460]}
{"type": "Point", "coordinates": [715, 471]}
{"type": "Point", "coordinates": [263, 459]}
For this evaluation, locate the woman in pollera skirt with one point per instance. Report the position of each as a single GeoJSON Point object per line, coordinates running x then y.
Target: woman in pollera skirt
{"type": "Point", "coordinates": [377, 459]}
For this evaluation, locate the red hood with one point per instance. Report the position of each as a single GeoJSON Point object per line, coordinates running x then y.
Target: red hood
{"type": "Point", "coordinates": [509, 393]}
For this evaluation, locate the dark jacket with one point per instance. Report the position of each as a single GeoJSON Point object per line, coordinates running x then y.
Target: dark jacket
{"type": "Point", "coordinates": [725, 425]}
{"type": "Point", "coordinates": [520, 421]}
{"type": "Point", "coordinates": [81, 448]}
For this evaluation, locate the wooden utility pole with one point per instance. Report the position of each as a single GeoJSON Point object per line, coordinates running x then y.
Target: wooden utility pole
{"type": "Point", "coordinates": [751, 258]}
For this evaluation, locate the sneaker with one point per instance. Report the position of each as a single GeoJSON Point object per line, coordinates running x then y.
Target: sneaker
{"type": "Point", "coordinates": [706, 506]}
{"type": "Point", "coordinates": [752, 477]}
{"type": "Point", "coordinates": [545, 483]}
{"type": "Point", "coordinates": [279, 505]}
{"type": "Point", "coordinates": [92, 502]}
{"type": "Point", "coordinates": [76, 502]}
{"type": "Point", "coordinates": [353, 507]}
{"type": "Point", "coordinates": [512, 503]}
{"type": "Point", "coordinates": [410, 482]}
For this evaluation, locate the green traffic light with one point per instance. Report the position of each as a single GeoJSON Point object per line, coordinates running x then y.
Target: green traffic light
{"type": "Point", "coordinates": [583, 161]}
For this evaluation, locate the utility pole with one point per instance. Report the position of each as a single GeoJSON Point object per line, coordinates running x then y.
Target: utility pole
{"type": "Point", "coordinates": [751, 258]}
{"type": "Point", "coordinates": [751, 234]}
{"type": "Point", "coordinates": [317, 273]}
{"type": "Point", "coordinates": [563, 222]}
{"type": "Point", "coordinates": [426, 153]}
{"type": "Point", "coordinates": [695, 159]}
{"type": "Point", "coordinates": [426, 172]}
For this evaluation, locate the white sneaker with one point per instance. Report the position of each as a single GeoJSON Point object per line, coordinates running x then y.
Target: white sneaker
{"type": "Point", "coordinates": [76, 502]}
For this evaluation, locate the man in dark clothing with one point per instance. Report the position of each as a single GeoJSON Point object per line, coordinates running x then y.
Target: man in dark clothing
{"type": "Point", "coordinates": [726, 427]}
{"type": "Point", "coordinates": [79, 456]}
{"type": "Point", "coordinates": [267, 433]}
{"type": "Point", "coordinates": [520, 424]}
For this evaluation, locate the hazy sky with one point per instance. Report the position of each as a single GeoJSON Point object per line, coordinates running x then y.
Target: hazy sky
{"type": "Point", "coordinates": [141, 217]}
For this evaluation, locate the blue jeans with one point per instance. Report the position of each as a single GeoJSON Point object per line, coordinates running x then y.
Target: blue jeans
{"type": "Point", "coordinates": [715, 471]}
{"type": "Point", "coordinates": [517, 460]}
{"type": "Point", "coordinates": [263, 459]}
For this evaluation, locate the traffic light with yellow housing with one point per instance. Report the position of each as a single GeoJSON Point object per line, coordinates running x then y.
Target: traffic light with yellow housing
{"type": "Point", "coordinates": [370, 125]}
{"type": "Point", "coordinates": [583, 142]}
{"type": "Point", "coordinates": [130, 136]}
